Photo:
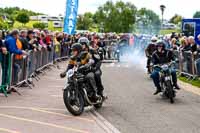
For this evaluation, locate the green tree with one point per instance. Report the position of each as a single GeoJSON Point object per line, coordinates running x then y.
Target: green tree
{"type": "Point", "coordinates": [85, 22]}
{"type": "Point", "coordinates": [176, 19]}
{"type": "Point", "coordinates": [23, 18]}
{"type": "Point", "coordinates": [40, 25]}
{"type": "Point", "coordinates": [118, 17]}
{"type": "Point", "coordinates": [148, 21]}
{"type": "Point", "coordinates": [197, 14]}
{"type": "Point", "coordinates": [3, 25]}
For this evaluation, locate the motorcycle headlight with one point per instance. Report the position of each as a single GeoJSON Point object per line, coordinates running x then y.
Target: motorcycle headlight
{"type": "Point", "coordinates": [70, 73]}
{"type": "Point", "coordinates": [165, 67]}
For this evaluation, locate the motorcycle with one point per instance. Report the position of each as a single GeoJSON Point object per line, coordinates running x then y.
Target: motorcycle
{"type": "Point", "coordinates": [101, 53]}
{"type": "Point", "coordinates": [167, 88]}
{"type": "Point", "coordinates": [118, 55]}
{"type": "Point", "coordinates": [78, 93]}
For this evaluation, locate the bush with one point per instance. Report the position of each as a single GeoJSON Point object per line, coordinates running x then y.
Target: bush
{"type": "Point", "coordinates": [40, 25]}
{"type": "Point", "coordinates": [3, 25]}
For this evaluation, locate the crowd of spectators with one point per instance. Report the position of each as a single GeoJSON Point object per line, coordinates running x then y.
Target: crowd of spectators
{"type": "Point", "coordinates": [21, 42]}
{"type": "Point", "coordinates": [183, 44]}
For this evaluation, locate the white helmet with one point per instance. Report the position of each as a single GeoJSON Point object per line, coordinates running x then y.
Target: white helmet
{"type": "Point", "coordinates": [154, 39]}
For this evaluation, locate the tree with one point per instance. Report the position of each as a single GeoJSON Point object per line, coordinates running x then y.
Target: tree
{"type": "Point", "coordinates": [23, 18]}
{"type": "Point", "coordinates": [3, 25]}
{"type": "Point", "coordinates": [85, 21]}
{"type": "Point", "coordinates": [197, 14]}
{"type": "Point", "coordinates": [119, 17]}
{"type": "Point", "coordinates": [148, 21]}
{"type": "Point", "coordinates": [39, 25]}
{"type": "Point", "coordinates": [176, 19]}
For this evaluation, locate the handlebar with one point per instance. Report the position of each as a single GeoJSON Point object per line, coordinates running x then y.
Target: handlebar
{"type": "Point", "coordinates": [169, 64]}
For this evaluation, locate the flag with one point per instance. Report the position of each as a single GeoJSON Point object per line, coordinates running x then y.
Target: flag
{"type": "Point", "coordinates": [71, 16]}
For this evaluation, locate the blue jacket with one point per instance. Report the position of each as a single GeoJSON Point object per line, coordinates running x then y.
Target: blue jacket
{"type": "Point", "coordinates": [11, 45]}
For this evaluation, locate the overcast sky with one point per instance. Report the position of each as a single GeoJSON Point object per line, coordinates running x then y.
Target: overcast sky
{"type": "Point", "coordinates": [55, 7]}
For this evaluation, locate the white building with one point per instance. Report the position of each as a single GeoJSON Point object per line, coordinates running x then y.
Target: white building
{"type": "Point", "coordinates": [57, 21]}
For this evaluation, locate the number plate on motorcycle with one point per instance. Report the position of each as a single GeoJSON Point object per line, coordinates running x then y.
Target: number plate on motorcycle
{"type": "Point", "coordinates": [167, 78]}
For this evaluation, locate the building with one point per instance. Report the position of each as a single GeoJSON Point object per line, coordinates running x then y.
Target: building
{"type": "Point", "coordinates": [57, 21]}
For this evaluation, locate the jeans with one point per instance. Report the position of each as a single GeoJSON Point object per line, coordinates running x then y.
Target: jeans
{"type": "Point", "coordinates": [156, 77]}
{"type": "Point", "coordinates": [90, 77]}
{"type": "Point", "coordinates": [17, 66]}
{"type": "Point", "coordinates": [98, 80]}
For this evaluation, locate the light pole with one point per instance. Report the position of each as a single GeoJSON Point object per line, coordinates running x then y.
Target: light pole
{"type": "Point", "coordinates": [162, 8]}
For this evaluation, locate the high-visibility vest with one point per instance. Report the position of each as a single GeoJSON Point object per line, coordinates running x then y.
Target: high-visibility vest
{"type": "Point", "coordinates": [19, 46]}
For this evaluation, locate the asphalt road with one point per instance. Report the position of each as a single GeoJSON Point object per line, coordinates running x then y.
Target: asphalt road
{"type": "Point", "coordinates": [132, 108]}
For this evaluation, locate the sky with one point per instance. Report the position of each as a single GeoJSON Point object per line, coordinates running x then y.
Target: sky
{"type": "Point", "coordinates": [56, 7]}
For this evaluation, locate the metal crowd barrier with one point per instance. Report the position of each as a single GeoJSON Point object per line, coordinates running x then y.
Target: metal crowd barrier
{"type": "Point", "coordinates": [17, 71]}
{"type": "Point", "coordinates": [5, 73]}
{"type": "Point", "coordinates": [188, 63]}
{"type": "Point", "coordinates": [197, 64]}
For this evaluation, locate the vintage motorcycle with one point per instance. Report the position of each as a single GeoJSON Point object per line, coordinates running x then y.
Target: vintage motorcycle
{"type": "Point", "coordinates": [78, 93]}
{"type": "Point", "coordinates": [168, 90]}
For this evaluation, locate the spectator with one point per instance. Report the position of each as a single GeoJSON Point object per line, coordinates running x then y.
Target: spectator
{"type": "Point", "coordinates": [198, 60]}
{"type": "Point", "coordinates": [42, 39]}
{"type": "Point", "coordinates": [14, 46]}
{"type": "Point", "coordinates": [186, 46]}
{"type": "Point", "coordinates": [3, 61]}
{"type": "Point", "coordinates": [33, 42]}
{"type": "Point", "coordinates": [23, 39]}
{"type": "Point", "coordinates": [57, 46]}
{"type": "Point", "coordinates": [192, 43]}
{"type": "Point", "coordinates": [174, 44]}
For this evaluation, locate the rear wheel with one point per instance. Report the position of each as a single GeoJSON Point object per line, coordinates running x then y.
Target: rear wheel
{"type": "Point", "coordinates": [75, 105]}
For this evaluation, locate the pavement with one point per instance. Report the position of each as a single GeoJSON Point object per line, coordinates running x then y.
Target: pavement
{"type": "Point", "coordinates": [42, 110]}
{"type": "Point", "coordinates": [130, 108]}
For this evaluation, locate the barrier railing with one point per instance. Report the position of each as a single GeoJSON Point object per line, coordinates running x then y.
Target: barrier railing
{"type": "Point", "coordinates": [18, 71]}
{"type": "Point", "coordinates": [188, 63]}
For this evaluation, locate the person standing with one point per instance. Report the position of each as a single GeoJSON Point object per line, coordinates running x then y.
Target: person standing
{"type": "Point", "coordinates": [3, 61]}
{"type": "Point", "coordinates": [14, 46]}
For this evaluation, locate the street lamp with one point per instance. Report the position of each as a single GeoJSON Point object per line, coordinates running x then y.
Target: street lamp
{"type": "Point", "coordinates": [162, 8]}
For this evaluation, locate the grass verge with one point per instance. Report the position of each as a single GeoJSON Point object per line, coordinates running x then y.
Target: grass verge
{"type": "Point", "coordinates": [195, 82]}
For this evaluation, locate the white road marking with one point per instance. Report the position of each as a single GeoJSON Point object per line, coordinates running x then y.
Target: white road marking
{"type": "Point", "coordinates": [103, 123]}
{"type": "Point", "coordinates": [113, 65]}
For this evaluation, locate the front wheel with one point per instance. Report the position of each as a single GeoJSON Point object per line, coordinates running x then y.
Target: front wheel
{"type": "Point", "coordinates": [170, 91]}
{"type": "Point", "coordinates": [74, 104]}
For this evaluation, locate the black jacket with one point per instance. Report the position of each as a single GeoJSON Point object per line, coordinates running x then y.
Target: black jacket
{"type": "Point", "coordinates": [161, 58]}
{"type": "Point", "coordinates": [150, 49]}
{"type": "Point", "coordinates": [194, 48]}
{"type": "Point", "coordinates": [25, 43]}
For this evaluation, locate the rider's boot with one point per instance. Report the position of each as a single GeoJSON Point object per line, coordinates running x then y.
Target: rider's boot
{"type": "Point", "coordinates": [95, 95]}
{"type": "Point", "coordinates": [177, 86]}
{"type": "Point", "coordinates": [158, 90]}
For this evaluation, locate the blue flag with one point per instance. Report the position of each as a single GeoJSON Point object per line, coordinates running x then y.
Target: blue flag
{"type": "Point", "coordinates": [71, 16]}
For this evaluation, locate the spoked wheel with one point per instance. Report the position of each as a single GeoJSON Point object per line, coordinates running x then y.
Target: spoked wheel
{"type": "Point", "coordinates": [75, 105]}
{"type": "Point", "coordinates": [171, 94]}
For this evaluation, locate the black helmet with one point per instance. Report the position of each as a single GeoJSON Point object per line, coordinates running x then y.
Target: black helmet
{"type": "Point", "coordinates": [161, 44]}
{"type": "Point", "coordinates": [77, 47]}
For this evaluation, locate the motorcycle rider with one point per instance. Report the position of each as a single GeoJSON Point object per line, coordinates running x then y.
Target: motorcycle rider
{"type": "Point", "coordinates": [149, 51]}
{"type": "Point", "coordinates": [96, 67]}
{"type": "Point", "coordinates": [162, 56]}
{"type": "Point", "coordinates": [83, 59]}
